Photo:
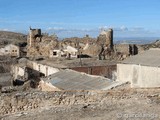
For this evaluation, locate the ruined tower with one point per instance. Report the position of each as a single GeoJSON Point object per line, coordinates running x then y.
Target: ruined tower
{"type": "Point", "coordinates": [106, 38]}
{"type": "Point", "coordinates": [34, 37]}
{"type": "Point", "coordinates": [109, 38]}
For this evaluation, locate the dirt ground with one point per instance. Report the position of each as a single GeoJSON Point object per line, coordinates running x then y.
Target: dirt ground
{"type": "Point", "coordinates": [138, 104]}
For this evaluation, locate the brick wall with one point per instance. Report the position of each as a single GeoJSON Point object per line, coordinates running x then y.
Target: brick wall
{"type": "Point", "coordinates": [97, 70]}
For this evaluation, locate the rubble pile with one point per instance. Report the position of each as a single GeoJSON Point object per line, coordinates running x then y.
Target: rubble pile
{"type": "Point", "coordinates": [42, 48]}
{"type": "Point", "coordinates": [23, 101]}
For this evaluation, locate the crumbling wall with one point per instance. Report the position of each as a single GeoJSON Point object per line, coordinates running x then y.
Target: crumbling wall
{"type": "Point", "coordinates": [41, 49]}
{"type": "Point", "coordinates": [34, 37]}
{"type": "Point", "coordinates": [74, 41]}
{"type": "Point", "coordinates": [106, 38]}
{"type": "Point", "coordinates": [39, 45]}
{"type": "Point", "coordinates": [101, 39]}
{"type": "Point", "coordinates": [109, 38]}
{"type": "Point", "coordinates": [140, 48]}
{"type": "Point", "coordinates": [128, 49]}
{"type": "Point", "coordinates": [92, 50]}
{"type": "Point", "coordinates": [25, 101]}
{"type": "Point", "coordinates": [122, 48]}
{"type": "Point", "coordinates": [15, 102]}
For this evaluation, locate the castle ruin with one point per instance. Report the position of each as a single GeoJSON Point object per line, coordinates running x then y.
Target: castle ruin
{"type": "Point", "coordinates": [106, 38]}
{"type": "Point", "coordinates": [39, 45]}
{"type": "Point", "coordinates": [34, 37]}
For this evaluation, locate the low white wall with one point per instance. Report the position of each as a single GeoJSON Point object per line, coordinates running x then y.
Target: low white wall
{"type": "Point", "coordinates": [45, 69]}
{"type": "Point", "coordinates": [124, 72]}
{"type": "Point", "coordinates": [139, 76]}
{"type": "Point", "coordinates": [21, 71]}
{"type": "Point", "coordinates": [17, 71]}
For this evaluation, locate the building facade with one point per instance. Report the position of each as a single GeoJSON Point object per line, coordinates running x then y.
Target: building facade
{"type": "Point", "coordinates": [10, 50]}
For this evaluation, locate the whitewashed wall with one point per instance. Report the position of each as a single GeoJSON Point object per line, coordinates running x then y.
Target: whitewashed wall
{"type": "Point", "coordinates": [45, 69]}
{"type": "Point", "coordinates": [17, 71]}
{"type": "Point", "coordinates": [9, 48]}
{"type": "Point", "coordinates": [139, 76]}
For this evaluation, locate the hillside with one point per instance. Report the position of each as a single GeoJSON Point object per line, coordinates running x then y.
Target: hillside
{"type": "Point", "coordinates": [7, 37]}
{"type": "Point", "coordinates": [155, 44]}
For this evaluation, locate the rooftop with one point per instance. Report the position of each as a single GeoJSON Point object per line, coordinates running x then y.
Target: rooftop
{"type": "Point", "coordinates": [72, 80]}
{"type": "Point", "coordinates": [150, 57]}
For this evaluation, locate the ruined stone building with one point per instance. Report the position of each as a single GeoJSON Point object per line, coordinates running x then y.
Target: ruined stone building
{"type": "Point", "coordinates": [128, 49]}
{"type": "Point", "coordinates": [43, 46]}
{"type": "Point", "coordinates": [45, 68]}
{"type": "Point", "coordinates": [105, 41]}
{"type": "Point", "coordinates": [56, 53]}
{"type": "Point", "coordinates": [99, 47]}
{"type": "Point", "coordinates": [34, 37]}
{"type": "Point", "coordinates": [40, 45]}
{"type": "Point", "coordinates": [33, 71]}
{"type": "Point", "coordinates": [67, 51]}
{"type": "Point", "coordinates": [106, 38]}
{"type": "Point", "coordinates": [10, 50]}
{"type": "Point", "coordinates": [47, 46]}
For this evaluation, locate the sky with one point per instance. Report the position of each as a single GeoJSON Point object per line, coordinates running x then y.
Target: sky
{"type": "Point", "coordinates": [70, 18]}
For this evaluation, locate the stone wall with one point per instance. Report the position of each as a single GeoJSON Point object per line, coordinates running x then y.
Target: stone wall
{"type": "Point", "coordinates": [123, 48]}
{"type": "Point", "coordinates": [24, 101]}
{"type": "Point", "coordinates": [129, 49]}
{"type": "Point", "coordinates": [39, 45]}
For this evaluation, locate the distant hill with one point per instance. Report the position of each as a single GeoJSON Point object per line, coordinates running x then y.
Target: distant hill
{"type": "Point", "coordinates": [7, 37]}
{"type": "Point", "coordinates": [135, 40]}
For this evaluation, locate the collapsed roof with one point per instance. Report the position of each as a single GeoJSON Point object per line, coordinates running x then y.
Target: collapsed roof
{"type": "Point", "coordinates": [72, 80]}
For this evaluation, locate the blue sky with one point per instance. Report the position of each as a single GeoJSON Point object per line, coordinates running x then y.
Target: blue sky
{"type": "Point", "coordinates": [128, 18]}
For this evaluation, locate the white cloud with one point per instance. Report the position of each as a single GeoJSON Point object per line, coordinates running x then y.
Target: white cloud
{"type": "Point", "coordinates": [54, 28]}
{"type": "Point", "coordinates": [137, 29]}
{"type": "Point", "coordinates": [7, 29]}
{"type": "Point", "coordinates": [123, 28]}
{"type": "Point", "coordinates": [122, 31]}
{"type": "Point", "coordinates": [72, 32]}
{"type": "Point", "coordinates": [4, 29]}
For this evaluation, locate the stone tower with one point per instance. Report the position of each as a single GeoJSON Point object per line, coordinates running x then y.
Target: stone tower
{"type": "Point", "coordinates": [34, 37]}
{"type": "Point", "coordinates": [109, 38]}
{"type": "Point", "coordinates": [106, 38]}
